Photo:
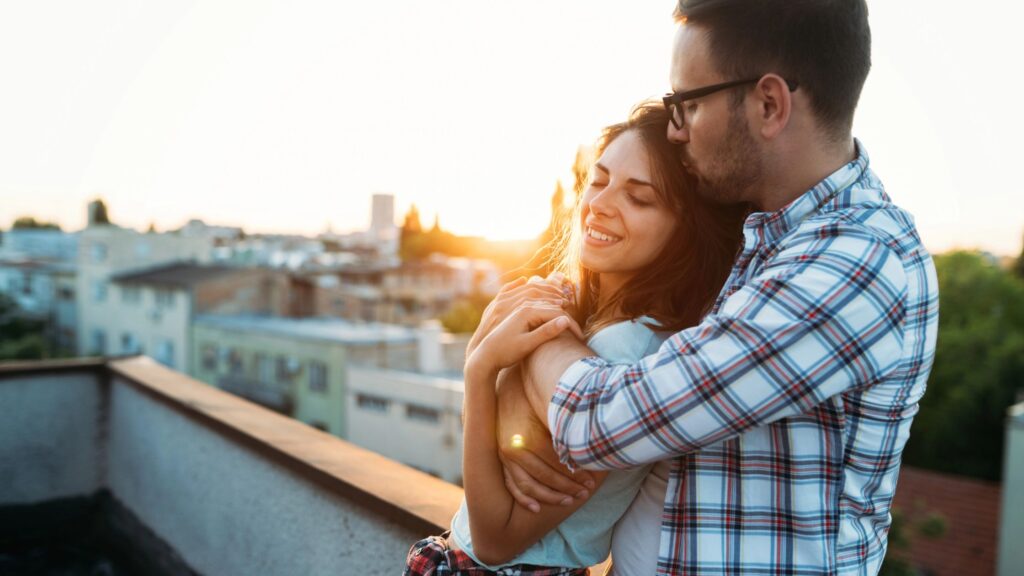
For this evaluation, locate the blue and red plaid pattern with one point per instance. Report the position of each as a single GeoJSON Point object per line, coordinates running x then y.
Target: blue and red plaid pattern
{"type": "Point", "coordinates": [433, 557]}
{"type": "Point", "coordinates": [786, 410]}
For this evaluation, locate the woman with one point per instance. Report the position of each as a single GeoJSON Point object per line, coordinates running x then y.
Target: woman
{"type": "Point", "coordinates": [648, 259]}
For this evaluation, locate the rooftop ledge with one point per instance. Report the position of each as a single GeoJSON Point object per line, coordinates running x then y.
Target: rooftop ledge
{"type": "Point", "coordinates": [232, 487]}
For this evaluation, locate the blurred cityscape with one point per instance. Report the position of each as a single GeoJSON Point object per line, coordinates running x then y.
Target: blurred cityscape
{"type": "Point", "coordinates": [353, 334]}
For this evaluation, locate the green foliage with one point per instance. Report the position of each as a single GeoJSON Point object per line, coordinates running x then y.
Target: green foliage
{"type": "Point", "coordinates": [464, 316]}
{"type": "Point", "coordinates": [904, 528]}
{"type": "Point", "coordinates": [20, 338]}
{"type": "Point", "coordinates": [978, 371]}
{"type": "Point", "coordinates": [99, 213]}
{"type": "Point", "coordinates": [1018, 264]}
{"type": "Point", "coordinates": [30, 223]}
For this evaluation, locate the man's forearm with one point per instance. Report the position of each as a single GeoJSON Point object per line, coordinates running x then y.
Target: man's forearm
{"type": "Point", "coordinates": [545, 366]}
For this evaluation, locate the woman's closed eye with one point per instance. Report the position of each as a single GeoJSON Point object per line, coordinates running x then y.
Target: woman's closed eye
{"type": "Point", "coordinates": [638, 199]}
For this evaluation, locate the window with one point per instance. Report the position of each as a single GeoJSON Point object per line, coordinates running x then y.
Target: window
{"type": "Point", "coordinates": [264, 368]}
{"type": "Point", "coordinates": [131, 294]}
{"type": "Point", "coordinates": [318, 377]}
{"type": "Point", "coordinates": [98, 342]}
{"type": "Point", "coordinates": [422, 413]}
{"type": "Point", "coordinates": [65, 293]}
{"type": "Point", "coordinates": [165, 353]}
{"type": "Point", "coordinates": [288, 368]}
{"type": "Point", "coordinates": [99, 291]}
{"type": "Point", "coordinates": [99, 252]}
{"type": "Point", "coordinates": [164, 298]}
{"type": "Point", "coordinates": [372, 403]}
{"type": "Point", "coordinates": [130, 344]}
{"type": "Point", "coordinates": [209, 357]}
{"type": "Point", "coordinates": [235, 361]}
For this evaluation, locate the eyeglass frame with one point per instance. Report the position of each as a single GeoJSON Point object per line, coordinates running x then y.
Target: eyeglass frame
{"type": "Point", "coordinates": [676, 99]}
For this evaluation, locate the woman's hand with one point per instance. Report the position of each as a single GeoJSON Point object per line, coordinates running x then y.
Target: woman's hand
{"type": "Point", "coordinates": [524, 438]}
{"type": "Point", "coordinates": [514, 294]}
{"type": "Point", "coordinates": [531, 324]}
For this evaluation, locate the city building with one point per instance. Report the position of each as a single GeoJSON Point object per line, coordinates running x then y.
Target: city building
{"type": "Point", "coordinates": [298, 367]}
{"type": "Point", "coordinates": [38, 244]}
{"type": "Point", "coordinates": [391, 389]}
{"type": "Point", "coordinates": [152, 308]}
{"type": "Point", "coordinates": [413, 418]}
{"type": "Point", "coordinates": [383, 232]}
{"type": "Point", "coordinates": [44, 290]}
{"type": "Point", "coordinates": [105, 251]}
{"type": "Point", "coordinates": [406, 293]}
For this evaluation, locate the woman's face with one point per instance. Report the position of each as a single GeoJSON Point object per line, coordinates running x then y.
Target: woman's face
{"type": "Point", "coordinates": [625, 222]}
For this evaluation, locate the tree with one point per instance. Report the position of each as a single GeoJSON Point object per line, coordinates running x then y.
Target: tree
{"type": "Point", "coordinates": [464, 316]}
{"type": "Point", "coordinates": [98, 213]}
{"type": "Point", "coordinates": [20, 338]}
{"type": "Point", "coordinates": [978, 371]}
{"type": "Point", "coordinates": [412, 225]}
{"type": "Point", "coordinates": [1018, 264]}
{"type": "Point", "coordinates": [30, 223]}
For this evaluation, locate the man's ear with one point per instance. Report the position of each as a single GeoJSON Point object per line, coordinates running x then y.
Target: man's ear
{"type": "Point", "coordinates": [774, 105]}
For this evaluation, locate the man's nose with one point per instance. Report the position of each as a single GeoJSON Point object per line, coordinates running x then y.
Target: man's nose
{"type": "Point", "coordinates": [677, 135]}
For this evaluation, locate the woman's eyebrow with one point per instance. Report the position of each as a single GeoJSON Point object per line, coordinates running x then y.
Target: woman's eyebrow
{"type": "Point", "coordinates": [635, 181]}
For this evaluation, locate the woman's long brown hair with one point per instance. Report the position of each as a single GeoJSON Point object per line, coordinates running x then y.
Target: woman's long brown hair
{"type": "Point", "coordinates": [680, 285]}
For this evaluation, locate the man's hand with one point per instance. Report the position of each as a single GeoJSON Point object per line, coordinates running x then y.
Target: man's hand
{"type": "Point", "coordinates": [513, 295]}
{"type": "Point", "coordinates": [533, 474]}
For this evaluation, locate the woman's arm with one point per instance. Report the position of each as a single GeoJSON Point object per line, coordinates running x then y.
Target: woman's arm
{"type": "Point", "coordinates": [500, 528]}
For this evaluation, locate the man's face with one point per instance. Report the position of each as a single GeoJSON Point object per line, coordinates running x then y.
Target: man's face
{"type": "Point", "coordinates": [718, 147]}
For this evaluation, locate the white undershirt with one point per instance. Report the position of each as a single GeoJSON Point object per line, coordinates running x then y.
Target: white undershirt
{"type": "Point", "coordinates": [637, 534]}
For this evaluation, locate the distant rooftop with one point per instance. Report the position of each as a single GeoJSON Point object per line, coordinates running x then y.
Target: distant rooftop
{"type": "Point", "coordinates": [318, 329]}
{"type": "Point", "coordinates": [175, 274]}
{"type": "Point", "coordinates": [38, 264]}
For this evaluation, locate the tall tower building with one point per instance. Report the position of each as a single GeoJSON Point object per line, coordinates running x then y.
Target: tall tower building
{"type": "Point", "coordinates": [383, 231]}
{"type": "Point", "coordinates": [383, 216]}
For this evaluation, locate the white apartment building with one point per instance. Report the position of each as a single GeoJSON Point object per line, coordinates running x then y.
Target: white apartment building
{"type": "Point", "coordinates": [413, 418]}
{"type": "Point", "coordinates": [38, 244]}
{"type": "Point", "coordinates": [106, 316]}
{"type": "Point", "coordinates": [156, 306]}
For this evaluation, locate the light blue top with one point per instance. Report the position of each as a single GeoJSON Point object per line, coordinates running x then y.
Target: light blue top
{"type": "Point", "coordinates": [584, 539]}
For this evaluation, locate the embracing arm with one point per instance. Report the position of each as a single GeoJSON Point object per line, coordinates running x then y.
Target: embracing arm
{"type": "Point", "coordinates": [824, 316]}
{"type": "Point", "coordinates": [500, 528]}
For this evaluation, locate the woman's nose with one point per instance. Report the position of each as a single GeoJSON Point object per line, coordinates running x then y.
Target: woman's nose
{"type": "Point", "coordinates": [601, 203]}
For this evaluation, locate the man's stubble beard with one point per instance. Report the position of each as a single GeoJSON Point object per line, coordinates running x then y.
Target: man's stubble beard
{"type": "Point", "coordinates": [734, 167]}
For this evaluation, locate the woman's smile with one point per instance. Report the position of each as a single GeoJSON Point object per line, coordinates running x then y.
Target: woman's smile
{"type": "Point", "coordinates": [599, 237]}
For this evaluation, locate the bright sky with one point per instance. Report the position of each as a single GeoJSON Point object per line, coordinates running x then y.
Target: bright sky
{"type": "Point", "coordinates": [286, 116]}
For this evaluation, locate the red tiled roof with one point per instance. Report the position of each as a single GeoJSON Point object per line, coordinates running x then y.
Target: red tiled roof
{"type": "Point", "coordinates": [970, 509]}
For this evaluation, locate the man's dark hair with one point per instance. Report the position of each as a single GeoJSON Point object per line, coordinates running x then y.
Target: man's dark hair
{"type": "Point", "coordinates": [825, 45]}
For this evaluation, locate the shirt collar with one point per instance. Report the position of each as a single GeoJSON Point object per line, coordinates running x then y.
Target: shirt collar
{"type": "Point", "coordinates": [778, 223]}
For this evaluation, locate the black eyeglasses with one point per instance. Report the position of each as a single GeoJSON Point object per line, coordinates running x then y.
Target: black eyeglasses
{"type": "Point", "coordinates": [674, 102]}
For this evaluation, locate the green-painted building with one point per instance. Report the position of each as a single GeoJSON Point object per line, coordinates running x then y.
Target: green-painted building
{"type": "Point", "coordinates": [295, 366]}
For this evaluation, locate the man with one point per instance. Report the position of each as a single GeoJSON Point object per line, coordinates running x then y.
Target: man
{"type": "Point", "coordinates": [783, 415]}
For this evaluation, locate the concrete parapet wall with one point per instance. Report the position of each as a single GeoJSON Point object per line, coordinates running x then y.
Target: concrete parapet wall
{"type": "Point", "coordinates": [50, 437]}
{"type": "Point", "coordinates": [231, 487]}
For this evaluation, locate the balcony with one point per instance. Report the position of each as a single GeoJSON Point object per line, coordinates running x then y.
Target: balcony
{"type": "Point", "coordinates": [168, 475]}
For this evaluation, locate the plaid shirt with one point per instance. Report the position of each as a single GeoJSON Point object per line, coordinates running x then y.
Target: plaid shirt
{"type": "Point", "coordinates": [786, 410]}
